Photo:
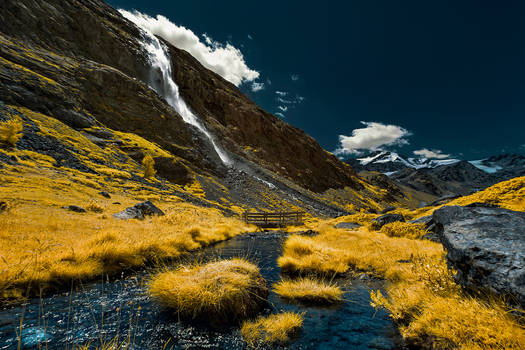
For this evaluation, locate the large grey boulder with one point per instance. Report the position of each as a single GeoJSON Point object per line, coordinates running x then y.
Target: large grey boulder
{"type": "Point", "coordinates": [139, 211]}
{"type": "Point", "coordinates": [486, 246]}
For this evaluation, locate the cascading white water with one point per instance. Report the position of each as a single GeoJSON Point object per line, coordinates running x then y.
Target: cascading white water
{"type": "Point", "coordinates": [164, 85]}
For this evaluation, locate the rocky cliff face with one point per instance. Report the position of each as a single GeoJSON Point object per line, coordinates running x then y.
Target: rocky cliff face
{"type": "Point", "coordinates": [81, 62]}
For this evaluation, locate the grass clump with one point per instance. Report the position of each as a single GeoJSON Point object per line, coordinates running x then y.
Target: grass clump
{"type": "Point", "coordinates": [422, 297]}
{"type": "Point", "coordinates": [11, 131]}
{"type": "Point", "coordinates": [309, 290]}
{"type": "Point", "coordinates": [404, 229]}
{"type": "Point", "coordinates": [149, 166]}
{"type": "Point", "coordinates": [271, 330]}
{"type": "Point", "coordinates": [224, 290]}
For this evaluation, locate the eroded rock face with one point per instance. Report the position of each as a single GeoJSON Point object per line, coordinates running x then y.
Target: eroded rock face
{"type": "Point", "coordinates": [139, 211]}
{"type": "Point", "coordinates": [486, 246]}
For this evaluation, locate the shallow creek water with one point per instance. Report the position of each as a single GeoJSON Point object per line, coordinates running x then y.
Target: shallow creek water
{"type": "Point", "coordinates": [122, 308]}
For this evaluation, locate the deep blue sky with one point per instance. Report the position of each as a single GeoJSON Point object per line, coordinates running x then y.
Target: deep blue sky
{"type": "Point", "coordinates": [451, 72]}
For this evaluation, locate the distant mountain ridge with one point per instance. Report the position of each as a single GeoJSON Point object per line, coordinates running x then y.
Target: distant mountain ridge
{"type": "Point", "coordinates": [442, 177]}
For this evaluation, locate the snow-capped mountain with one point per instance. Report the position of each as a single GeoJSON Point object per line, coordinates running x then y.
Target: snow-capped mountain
{"type": "Point", "coordinates": [442, 176]}
{"type": "Point", "coordinates": [388, 162]}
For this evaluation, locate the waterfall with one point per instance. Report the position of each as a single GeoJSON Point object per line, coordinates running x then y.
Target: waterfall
{"type": "Point", "coordinates": [164, 85]}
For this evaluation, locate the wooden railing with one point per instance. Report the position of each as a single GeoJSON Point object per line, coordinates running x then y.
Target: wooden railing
{"type": "Point", "coordinates": [278, 219]}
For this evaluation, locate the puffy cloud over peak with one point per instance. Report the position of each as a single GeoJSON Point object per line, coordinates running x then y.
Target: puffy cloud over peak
{"type": "Point", "coordinates": [224, 59]}
{"type": "Point", "coordinates": [372, 137]}
{"type": "Point", "coordinates": [431, 154]}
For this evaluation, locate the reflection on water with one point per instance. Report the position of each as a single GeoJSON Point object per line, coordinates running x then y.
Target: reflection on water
{"type": "Point", "coordinates": [122, 308]}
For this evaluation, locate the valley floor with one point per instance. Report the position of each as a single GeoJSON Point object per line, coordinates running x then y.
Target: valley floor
{"type": "Point", "coordinates": [45, 247]}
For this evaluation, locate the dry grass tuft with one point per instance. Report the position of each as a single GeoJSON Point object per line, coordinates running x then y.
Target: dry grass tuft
{"type": "Point", "coordinates": [273, 329]}
{"type": "Point", "coordinates": [225, 290]}
{"type": "Point", "coordinates": [95, 207]}
{"type": "Point", "coordinates": [309, 290]}
{"type": "Point", "coordinates": [149, 166]}
{"type": "Point", "coordinates": [11, 131]}
{"type": "Point", "coordinates": [404, 229]}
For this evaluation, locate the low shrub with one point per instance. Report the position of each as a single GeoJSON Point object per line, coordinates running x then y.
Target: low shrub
{"type": "Point", "coordinates": [225, 290]}
{"type": "Point", "coordinates": [11, 131]}
{"type": "Point", "coordinates": [95, 207]}
{"type": "Point", "coordinates": [309, 290]}
{"type": "Point", "coordinates": [149, 166]}
{"type": "Point", "coordinates": [271, 330]}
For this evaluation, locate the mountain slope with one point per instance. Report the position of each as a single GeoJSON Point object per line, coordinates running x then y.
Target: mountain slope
{"type": "Point", "coordinates": [106, 86]}
{"type": "Point", "coordinates": [81, 88]}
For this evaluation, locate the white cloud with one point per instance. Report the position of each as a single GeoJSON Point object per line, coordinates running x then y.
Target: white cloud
{"type": "Point", "coordinates": [282, 100]}
{"type": "Point", "coordinates": [283, 108]}
{"type": "Point", "coordinates": [250, 37]}
{"type": "Point", "coordinates": [372, 137]}
{"type": "Point", "coordinates": [279, 114]}
{"type": "Point", "coordinates": [268, 81]}
{"type": "Point", "coordinates": [224, 59]}
{"type": "Point", "coordinates": [436, 154]}
{"type": "Point", "coordinates": [257, 86]}
{"type": "Point", "coordinates": [281, 93]}
{"type": "Point", "coordinates": [294, 77]}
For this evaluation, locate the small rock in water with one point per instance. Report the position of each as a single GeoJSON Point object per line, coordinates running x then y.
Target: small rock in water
{"type": "Point", "coordinates": [74, 208]}
{"type": "Point", "coordinates": [139, 211]}
{"type": "Point", "coordinates": [32, 337]}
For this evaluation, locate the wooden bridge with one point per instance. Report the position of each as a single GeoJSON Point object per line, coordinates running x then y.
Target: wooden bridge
{"type": "Point", "coordinates": [277, 219]}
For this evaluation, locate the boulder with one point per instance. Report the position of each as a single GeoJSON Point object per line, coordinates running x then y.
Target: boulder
{"type": "Point", "coordinates": [382, 220]}
{"type": "Point", "coordinates": [104, 194]}
{"type": "Point", "coordinates": [347, 225]}
{"type": "Point", "coordinates": [387, 209]}
{"type": "Point", "coordinates": [430, 226]}
{"type": "Point", "coordinates": [486, 246]}
{"type": "Point", "coordinates": [3, 206]}
{"type": "Point", "coordinates": [139, 211]}
{"type": "Point", "coordinates": [74, 208]}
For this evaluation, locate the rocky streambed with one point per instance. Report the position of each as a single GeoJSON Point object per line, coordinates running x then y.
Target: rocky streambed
{"type": "Point", "coordinates": [121, 308]}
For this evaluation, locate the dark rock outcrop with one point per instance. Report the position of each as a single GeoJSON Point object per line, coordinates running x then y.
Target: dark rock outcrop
{"type": "Point", "coordinates": [430, 226]}
{"type": "Point", "coordinates": [74, 208]}
{"type": "Point", "coordinates": [104, 194]}
{"type": "Point", "coordinates": [382, 220]}
{"type": "Point", "coordinates": [139, 211]}
{"type": "Point", "coordinates": [486, 246]}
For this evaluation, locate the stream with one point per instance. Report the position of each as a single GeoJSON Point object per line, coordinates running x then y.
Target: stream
{"type": "Point", "coordinates": [121, 308]}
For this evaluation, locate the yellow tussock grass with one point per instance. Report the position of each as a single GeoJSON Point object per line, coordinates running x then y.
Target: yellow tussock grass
{"type": "Point", "coordinates": [217, 291]}
{"type": "Point", "coordinates": [10, 131]}
{"type": "Point", "coordinates": [54, 245]}
{"type": "Point", "coordinates": [422, 294]}
{"type": "Point", "coordinates": [309, 290]}
{"type": "Point", "coordinates": [273, 329]}
{"type": "Point", "coordinates": [404, 229]}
